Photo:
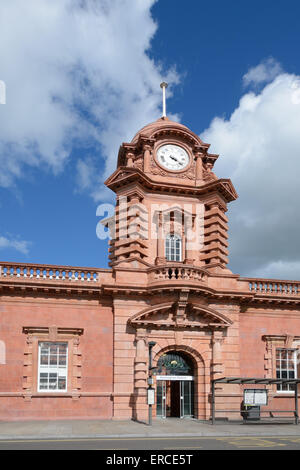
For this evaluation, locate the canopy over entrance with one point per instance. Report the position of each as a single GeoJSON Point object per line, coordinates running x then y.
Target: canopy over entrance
{"type": "Point", "coordinates": [252, 380]}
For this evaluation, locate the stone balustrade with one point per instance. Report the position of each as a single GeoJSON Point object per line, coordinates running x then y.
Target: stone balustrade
{"type": "Point", "coordinates": [272, 286]}
{"type": "Point", "coordinates": [175, 272]}
{"type": "Point", "coordinates": [27, 272]}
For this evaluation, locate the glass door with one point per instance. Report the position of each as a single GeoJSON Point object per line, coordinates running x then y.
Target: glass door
{"type": "Point", "coordinates": [161, 399]}
{"type": "Point", "coordinates": [186, 398]}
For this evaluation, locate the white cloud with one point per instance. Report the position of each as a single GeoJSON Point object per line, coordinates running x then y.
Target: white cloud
{"type": "Point", "coordinates": [263, 73]}
{"type": "Point", "coordinates": [259, 148]}
{"type": "Point", "coordinates": [75, 70]}
{"type": "Point", "coordinates": [85, 173]}
{"type": "Point", "coordinates": [19, 245]}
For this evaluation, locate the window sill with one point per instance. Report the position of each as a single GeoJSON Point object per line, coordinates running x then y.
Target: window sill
{"type": "Point", "coordinates": [284, 394]}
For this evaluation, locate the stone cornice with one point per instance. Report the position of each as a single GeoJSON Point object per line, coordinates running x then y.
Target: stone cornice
{"type": "Point", "coordinates": [125, 175]}
{"type": "Point", "coordinates": [279, 337]}
{"type": "Point", "coordinates": [53, 280]}
{"type": "Point", "coordinates": [41, 330]}
{"type": "Point", "coordinates": [23, 287]}
{"type": "Point", "coordinates": [246, 299]}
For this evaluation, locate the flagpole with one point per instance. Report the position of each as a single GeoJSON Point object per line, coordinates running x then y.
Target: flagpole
{"type": "Point", "coordinates": [164, 85]}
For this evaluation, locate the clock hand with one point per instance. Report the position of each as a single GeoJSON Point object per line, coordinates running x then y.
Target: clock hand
{"type": "Point", "coordinates": [176, 160]}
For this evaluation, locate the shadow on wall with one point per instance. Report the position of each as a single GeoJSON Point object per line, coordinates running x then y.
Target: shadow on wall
{"type": "Point", "coordinates": [133, 405]}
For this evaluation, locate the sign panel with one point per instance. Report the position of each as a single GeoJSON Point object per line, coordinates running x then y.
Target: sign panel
{"type": "Point", "coordinates": [255, 397]}
{"type": "Point", "coordinates": [175, 377]}
{"type": "Point", "coordinates": [151, 396]}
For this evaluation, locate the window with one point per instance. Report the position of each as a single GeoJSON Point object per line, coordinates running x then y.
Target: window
{"type": "Point", "coordinates": [173, 363]}
{"type": "Point", "coordinates": [53, 367]}
{"type": "Point", "coordinates": [173, 248]}
{"type": "Point", "coordinates": [286, 368]}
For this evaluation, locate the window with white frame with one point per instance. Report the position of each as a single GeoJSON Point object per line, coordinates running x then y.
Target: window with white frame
{"type": "Point", "coordinates": [286, 368]}
{"type": "Point", "coordinates": [173, 247]}
{"type": "Point", "coordinates": [53, 367]}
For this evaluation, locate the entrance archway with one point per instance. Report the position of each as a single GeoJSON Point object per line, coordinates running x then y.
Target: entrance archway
{"type": "Point", "coordinates": [175, 386]}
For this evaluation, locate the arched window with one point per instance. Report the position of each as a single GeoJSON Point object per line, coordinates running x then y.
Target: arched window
{"type": "Point", "coordinates": [174, 363]}
{"type": "Point", "coordinates": [173, 247]}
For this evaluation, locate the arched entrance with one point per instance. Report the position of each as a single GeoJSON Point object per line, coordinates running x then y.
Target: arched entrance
{"type": "Point", "coordinates": [175, 386]}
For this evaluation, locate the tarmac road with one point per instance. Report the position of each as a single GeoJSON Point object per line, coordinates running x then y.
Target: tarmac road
{"type": "Point", "coordinates": [146, 443]}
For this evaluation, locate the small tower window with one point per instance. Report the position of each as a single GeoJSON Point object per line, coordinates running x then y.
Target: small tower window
{"type": "Point", "coordinates": [173, 246]}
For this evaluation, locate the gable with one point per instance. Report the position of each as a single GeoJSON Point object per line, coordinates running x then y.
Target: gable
{"type": "Point", "coordinates": [167, 315]}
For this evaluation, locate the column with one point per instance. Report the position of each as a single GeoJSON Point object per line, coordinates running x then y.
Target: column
{"type": "Point", "coordinates": [147, 157]}
{"type": "Point", "coordinates": [130, 157]}
{"type": "Point", "coordinates": [217, 362]}
{"type": "Point", "coordinates": [160, 259]}
{"type": "Point", "coordinates": [140, 377]}
{"type": "Point", "coordinates": [199, 168]}
{"type": "Point", "coordinates": [186, 239]}
{"type": "Point", "coordinates": [217, 371]}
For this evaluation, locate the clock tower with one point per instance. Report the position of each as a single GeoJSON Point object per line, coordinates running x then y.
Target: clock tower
{"type": "Point", "coordinates": [168, 252]}
{"type": "Point", "coordinates": [170, 205]}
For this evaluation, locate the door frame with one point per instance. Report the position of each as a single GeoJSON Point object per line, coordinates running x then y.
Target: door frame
{"type": "Point", "coordinates": [183, 383]}
{"type": "Point", "coordinates": [175, 378]}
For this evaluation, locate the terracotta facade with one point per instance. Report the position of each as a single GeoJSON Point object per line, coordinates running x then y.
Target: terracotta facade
{"type": "Point", "coordinates": [168, 283]}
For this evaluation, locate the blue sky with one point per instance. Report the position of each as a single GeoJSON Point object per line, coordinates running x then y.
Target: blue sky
{"type": "Point", "coordinates": [81, 77]}
{"type": "Point", "coordinates": [213, 44]}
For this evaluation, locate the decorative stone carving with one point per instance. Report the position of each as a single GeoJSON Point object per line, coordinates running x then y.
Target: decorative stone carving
{"type": "Point", "coordinates": [170, 315]}
{"type": "Point", "coordinates": [190, 173]}
{"type": "Point", "coordinates": [156, 170]}
{"type": "Point", "coordinates": [138, 163]}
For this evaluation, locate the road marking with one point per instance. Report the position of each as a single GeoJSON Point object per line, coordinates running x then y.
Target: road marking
{"type": "Point", "coordinates": [182, 448]}
{"type": "Point", "coordinates": [153, 438]}
{"type": "Point", "coordinates": [251, 442]}
{"type": "Point", "coordinates": [102, 439]}
{"type": "Point", "coordinates": [290, 439]}
{"type": "Point", "coordinates": [257, 441]}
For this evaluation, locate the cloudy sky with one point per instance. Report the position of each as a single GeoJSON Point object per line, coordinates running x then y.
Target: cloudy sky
{"type": "Point", "coordinates": [82, 76]}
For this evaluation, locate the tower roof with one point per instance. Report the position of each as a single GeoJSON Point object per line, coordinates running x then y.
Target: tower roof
{"type": "Point", "coordinates": [163, 123]}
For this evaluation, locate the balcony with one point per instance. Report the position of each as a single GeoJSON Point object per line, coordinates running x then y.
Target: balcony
{"type": "Point", "coordinates": [177, 274]}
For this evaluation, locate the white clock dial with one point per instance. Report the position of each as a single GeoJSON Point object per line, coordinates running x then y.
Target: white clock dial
{"type": "Point", "coordinates": [173, 157]}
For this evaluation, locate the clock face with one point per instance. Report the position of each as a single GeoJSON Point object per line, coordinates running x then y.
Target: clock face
{"type": "Point", "coordinates": [173, 157]}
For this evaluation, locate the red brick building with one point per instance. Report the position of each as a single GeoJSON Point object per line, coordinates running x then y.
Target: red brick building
{"type": "Point", "coordinates": [74, 341]}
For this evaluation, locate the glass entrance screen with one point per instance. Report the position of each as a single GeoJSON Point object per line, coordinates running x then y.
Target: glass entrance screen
{"type": "Point", "coordinates": [175, 398]}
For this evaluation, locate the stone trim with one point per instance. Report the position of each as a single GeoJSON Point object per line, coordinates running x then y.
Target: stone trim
{"type": "Point", "coordinates": [273, 342]}
{"type": "Point", "coordinates": [175, 314]}
{"type": "Point", "coordinates": [201, 374]}
{"type": "Point", "coordinates": [34, 334]}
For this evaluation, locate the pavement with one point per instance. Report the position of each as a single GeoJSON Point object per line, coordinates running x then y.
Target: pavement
{"type": "Point", "coordinates": [170, 427]}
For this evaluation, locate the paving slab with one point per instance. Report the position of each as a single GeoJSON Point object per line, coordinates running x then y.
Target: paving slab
{"type": "Point", "coordinates": [172, 427]}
